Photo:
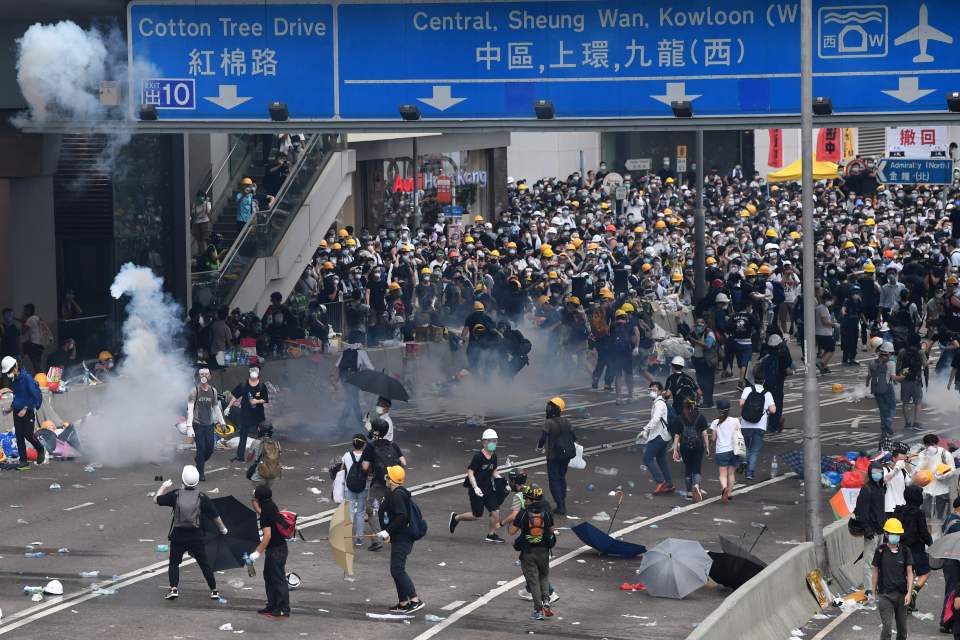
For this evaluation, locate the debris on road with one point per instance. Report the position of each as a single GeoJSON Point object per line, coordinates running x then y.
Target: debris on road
{"type": "Point", "coordinates": [603, 516]}
{"type": "Point", "coordinates": [390, 617]}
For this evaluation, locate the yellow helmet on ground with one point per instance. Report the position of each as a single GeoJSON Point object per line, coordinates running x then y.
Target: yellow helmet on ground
{"type": "Point", "coordinates": [41, 379]}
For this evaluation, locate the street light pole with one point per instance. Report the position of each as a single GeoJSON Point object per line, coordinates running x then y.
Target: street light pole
{"type": "Point", "coordinates": [811, 406]}
{"type": "Point", "coordinates": [699, 231]}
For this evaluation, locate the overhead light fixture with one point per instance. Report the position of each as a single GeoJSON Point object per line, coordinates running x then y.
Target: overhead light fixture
{"type": "Point", "coordinates": [409, 112]}
{"type": "Point", "coordinates": [682, 108]}
{"type": "Point", "coordinates": [953, 102]}
{"type": "Point", "coordinates": [822, 106]}
{"type": "Point", "coordinates": [148, 112]}
{"type": "Point", "coordinates": [278, 111]}
{"type": "Point", "coordinates": [544, 109]}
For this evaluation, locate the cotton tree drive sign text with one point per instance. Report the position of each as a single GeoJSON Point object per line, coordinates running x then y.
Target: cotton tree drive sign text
{"type": "Point", "coordinates": [492, 60]}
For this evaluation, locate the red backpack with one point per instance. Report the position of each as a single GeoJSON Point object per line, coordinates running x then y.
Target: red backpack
{"type": "Point", "coordinates": [287, 525]}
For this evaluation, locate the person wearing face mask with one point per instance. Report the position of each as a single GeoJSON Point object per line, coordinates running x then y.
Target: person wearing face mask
{"type": "Point", "coordinates": [916, 537]}
{"type": "Point", "coordinates": [868, 518]}
{"type": "Point", "coordinates": [479, 482]}
{"type": "Point", "coordinates": [68, 358]}
{"type": "Point", "coordinates": [203, 413]}
{"type": "Point", "coordinates": [705, 359]}
{"type": "Point", "coordinates": [559, 438]}
{"type": "Point", "coordinates": [892, 577]}
{"type": "Point", "coordinates": [251, 396]}
{"type": "Point", "coordinates": [382, 411]}
{"type": "Point", "coordinates": [939, 462]}
{"type": "Point", "coordinates": [356, 490]}
{"type": "Point", "coordinates": [880, 378]}
{"type": "Point", "coordinates": [655, 437]}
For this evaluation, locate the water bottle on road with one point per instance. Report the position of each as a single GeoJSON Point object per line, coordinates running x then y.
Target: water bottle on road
{"type": "Point", "coordinates": [774, 467]}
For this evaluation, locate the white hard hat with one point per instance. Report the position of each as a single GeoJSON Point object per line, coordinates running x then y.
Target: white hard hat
{"type": "Point", "coordinates": [53, 588]}
{"type": "Point", "coordinates": [775, 340]}
{"type": "Point", "coordinates": [722, 298]}
{"type": "Point", "coordinates": [9, 362]}
{"type": "Point", "coordinates": [190, 476]}
{"type": "Point", "coordinates": [489, 434]}
{"type": "Point", "coordinates": [678, 361]}
{"type": "Point", "coordinates": [293, 581]}
{"type": "Point", "coordinates": [886, 347]}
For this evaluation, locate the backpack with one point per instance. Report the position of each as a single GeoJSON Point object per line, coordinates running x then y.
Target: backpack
{"type": "Point", "coordinates": [186, 512]}
{"type": "Point", "coordinates": [287, 525]}
{"type": "Point", "coordinates": [901, 318]}
{"type": "Point", "coordinates": [536, 528]}
{"type": "Point", "coordinates": [685, 388]}
{"type": "Point", "coordinates": [356, 479]}
{"type": "Point", "coordinates": [879, 381]}
{"type": "Point", "coordinates": [349, 361]}
{"type": "Point", "coordinates": [416, 525]}
{"type": "Point", "coordinates": [564, 446]}
{"type": "Point", "coordinates": [690, 437]}
{"type": "Point", "coordinates": [621, 337]}
{"type": "Point", "coordinates": [268, 467]}
{"type": "Point", "coordinates": [779, 295]}
{"type": "Point", "coordinates": [752, 410]}
{"type": "Point", "coordinates": [384, 455]}
{"type": "Point", "coordinates": [598, 322]}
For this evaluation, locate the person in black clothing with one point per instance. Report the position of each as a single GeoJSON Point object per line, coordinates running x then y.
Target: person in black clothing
{"type": "Point", "coordinates": [9, 335]}
{"type": "Point", "coordinates": [274, 545]}
{"type": "Point", "coordinates": [892, 569]}
{"type": "Point", "coordinates": [916, 537]}
{"type": "Point", "coordinates": [276, 320]}
{"type": "Point", "coordinates": [186, 533]}
{"type": "Point", "coordinates": [377, 456]}
{"type": "Point", "coordinates": [251, 396]}
{"type": "Point", "coordinates": [680, 387]}
{"type": "Point", "coordinates": [479, 483]}
{"type": "Point", "coordinates": [559, 439]}
{"type": "Point", "coordinates": [535, 526]}
{"type": "Point", "coordinates": [690, 442]}
{"type": "Point", "coordinates": [68, 358]}
{"type": "Point", "coordinates": [951, 573]}
{"type": "Point", "coordinates": [393, 516]}
{"type": "Point", "coordinates": [869, 516]}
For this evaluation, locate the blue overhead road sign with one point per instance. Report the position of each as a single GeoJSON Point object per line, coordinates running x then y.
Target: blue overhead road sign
{"type": "Point", "coordinates": [228, 61]}
{"type": "Point", "coordinates": [915, 170]}
{"type": "Point", "coordinates": [492, 60]}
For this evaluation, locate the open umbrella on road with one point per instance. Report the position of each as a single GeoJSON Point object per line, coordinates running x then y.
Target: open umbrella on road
{"type": "Point", "coordinates": [378, 383]}
{"type": "Point", "coordinates": [243, 534]}
{"type": "Point", "coordinates": [735, 564]}
{"type": "Point", "coordinates": [341, 538]}
{"type": "Point", "coordinates": [946, 547]}
{"type": "Point", "coordinates": [674, 568]}
{"type": "Point", "coordinates": [602, 542]}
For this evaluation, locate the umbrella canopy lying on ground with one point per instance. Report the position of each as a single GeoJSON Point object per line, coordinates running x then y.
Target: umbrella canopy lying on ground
{"type": "Point", "coordinates": [378, 383]}
{"type": "Point", "coordinates": [341, 538]}
{"type": "Point", "coordinates": [732, 545]}
{"type": "Point", "coordinates": [731, 571]}
{"type": "Point", "coordinates": [594, 537]}
{"type": "Point", "coordinates": [674, 568]}
{"type": "Point", "coordinates": [243, 534]}
{"type": "Point", "coordinates": [946, 547]}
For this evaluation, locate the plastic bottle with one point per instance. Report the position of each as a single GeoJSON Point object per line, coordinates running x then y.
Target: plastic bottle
{"type": "Point", "coordinates": [163, 548]}
{"type": "Point", "coordinates": [774, 467]}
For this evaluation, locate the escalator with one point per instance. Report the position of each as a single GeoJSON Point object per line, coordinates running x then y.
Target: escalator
{"type": "Point", "coordinates": [270, 252]}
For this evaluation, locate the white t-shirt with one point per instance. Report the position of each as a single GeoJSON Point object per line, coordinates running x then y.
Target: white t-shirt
{"type": "Point", "coordinates": [767, 403]}
{"type": "Point", "coordinates": [725, 431]}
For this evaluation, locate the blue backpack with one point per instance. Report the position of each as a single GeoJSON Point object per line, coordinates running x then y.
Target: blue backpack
{"type": "Point", "coordinates": [416, 525]}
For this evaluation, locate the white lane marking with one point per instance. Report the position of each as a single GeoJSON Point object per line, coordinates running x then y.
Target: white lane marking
{"type": "Point", "coordinates": [206, 471]}
{"type": "Point", "coordinates": [456, 604]}
{"type": "Point", "coordinates": [40, 611]}
{"type": "Point", "coordinates": [833, 625]}
{"type": "Point", "coordinates": [493, 593]}
{"type": "Point", "coordinates": [79, 506]}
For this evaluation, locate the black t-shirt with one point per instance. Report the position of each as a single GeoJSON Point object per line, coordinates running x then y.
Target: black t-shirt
{"type": "Point", "coordinates": [483, 469]}
{"type": "Point", "coordinates": [270, 519]}
{"type": "Point", "coordinates": [369, 455]}
{"type": "Point", "coordinates": [691, 434]}
{"type": "Point", "coordinates": [182, 534]}
{"type": "Point", "coordinates": [251, 415]}
{"type": "Point", "coordinates": [893, 568]}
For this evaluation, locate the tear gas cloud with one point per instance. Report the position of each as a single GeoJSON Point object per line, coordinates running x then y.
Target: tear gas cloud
{"type": "Point", "coordinates": [135, 417]}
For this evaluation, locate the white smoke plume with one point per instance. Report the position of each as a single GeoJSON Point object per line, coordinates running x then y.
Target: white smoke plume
{"type": "Point", "coordinates": [60, 68]}
{"type": "Point", "coordinates": [140, 406]}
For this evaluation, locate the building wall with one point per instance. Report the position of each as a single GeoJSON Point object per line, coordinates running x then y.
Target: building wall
{"type": "Point", "coordinates": [534, 155]}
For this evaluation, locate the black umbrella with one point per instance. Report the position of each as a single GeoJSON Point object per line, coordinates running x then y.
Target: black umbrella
{"type": "Point", "coordinates": [500, 490]}
{"type": "Point", "coordinates": [378, 383]}
{"type": "Point", "coordinates": [243, 534]}
{"type": "Point", "coordinates": [593, 537]}
{"type": "Point", "coordinates": [736, 564]}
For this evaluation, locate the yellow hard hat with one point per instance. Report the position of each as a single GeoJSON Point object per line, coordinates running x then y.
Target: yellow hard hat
{"type": "Point", "coordinates": [394, 286]}
{"type": "Point", "coordinates": [750, 271]}
{"type": "Point", "coordinates": [468, 239]}
{"type": "Point", "coordinates": [752, 208]}
{"type": "Point", "coordinates": [604, 205]}
{"type": "Point", "coordinates": [543, 299]}
{"type": "Point", "coordinates": [593, 246]}
{"type": "Point", "coordinates": [744, 213]}
{"type": "Point", "coordinates": [627, 307]}
{"type": "Point", "coordinates": [351, 242]}
{"type": "Point", "coordinates": [668, 212]}
{"type": "Point", "coordinates": [328, 265]}
{"type": "Point", "coordinates": [795, 235]}
{"type": "Point", "coordinates": [677, 277]}
{"type": "Point", "coordinates": [246, 182]}
{"type": "Point", "coordinates": [646, 267]}
{"type": "Point", "coordinates": [764, 270]}
{"type": "Point", "coordinates": [607, 295]}
{"type": "Point", "coordinates": [573, 300]}
{"type": "Point", "coordinates": [478, 288]}
{"type": "Point", "coordinates": [576, 242]}
{"type": "Point", "coordinates": [571, 247]}
{"type": "Point", "coordinates": [952, 281]}
{"type": "Point", "coordinates": [225, 431]}
{"type": "Point", "coordinates": [343, 233]}
{"type": "Point", "coordinates": [752, 265]}
{"type": "Point", "coordinates": [558, 402]}
{"type": "Point", "coordinates": [639, 229]}
{"type": "Point", "coordinates": [837, 387]}
{"type": "Point", "coordinates": [494, 254]}
{"type": "Point", "coordinates": [104, 356]}
{"type": "Point", "coordinates": [771, 233]}
{"type": "Point", "coordinates": [544, 248]}
{"type": "Point", "coordinates": [604, 290]}
{"type": "Point", "coordinates": [774, 188]}
{"type": "Point", "coordinates": [478, 218]}
{"type": "Point", "coordinates": [548, 252]}
{"type": "Point", "coordinates": [575, 204]}
{"type": "Point", "coordinates": [478, 306]}
{"type": "Point", "coordinates": [619, 313]}
{"type": "Point", "coordinates": [41, 379]}
{"type": "Point", "coordinates": [426, 271]}
{"type": "Point", "coordinates": [552, 274]}
{"type": "Point", "coordinates": [869, 268]}
{"type": "Point", "coordinates": [396, 474]}
{"type": "Point", "coordinates": [323, 244]}
{"type": "Point", "coordinates": [943, 468]}
{"type": "Point", "coordinates": [893, 525]}
{"type": "Point", "coordinates": [848, 244]}
{"type": "Point", "coordinates": [711, 261]}
{"type": "Point", "coordinates": [660, 224]}
{"type": "Point", "coordinates": [669, 180]}
{"type": "Point", "coordinates": [870, 222]}
{"type": "Point", "coordinates": [511, 245]}
{"type": "Point", "coordinates": [337, 246]}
